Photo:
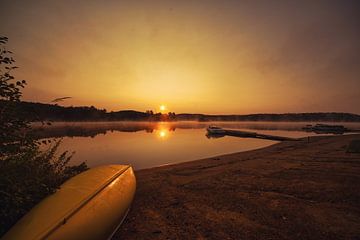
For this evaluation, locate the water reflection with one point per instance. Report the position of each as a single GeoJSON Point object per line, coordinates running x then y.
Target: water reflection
{"type": "Point", "coordinates": [92, 129]}
{"type": "Point", "coordinates": [145, 145]}
{"type": "Point", "coordinates": [211, 135]}
{"type": "Point", "coordinates": [164, 133]}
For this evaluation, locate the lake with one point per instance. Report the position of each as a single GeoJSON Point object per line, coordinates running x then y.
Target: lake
{"type": "Point", "coordinates": [150, 144]}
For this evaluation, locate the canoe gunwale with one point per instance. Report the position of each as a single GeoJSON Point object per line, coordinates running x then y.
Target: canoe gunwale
{"type": "Point", "coordinates": [82, 203]}
{"type": "Point", "coordinates": [118, 226]}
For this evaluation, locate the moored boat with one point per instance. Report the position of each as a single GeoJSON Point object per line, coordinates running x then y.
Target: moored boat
{"type": "Point", "coordinates": [215, 130]}
{"type": "Point", "coordinates": [325, 128]}
{"type": "Point", "coordinates": [91, 205]}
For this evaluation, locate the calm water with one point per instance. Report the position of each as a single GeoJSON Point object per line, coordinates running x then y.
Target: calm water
{"type": "Point", "coordinates": [145, 145]}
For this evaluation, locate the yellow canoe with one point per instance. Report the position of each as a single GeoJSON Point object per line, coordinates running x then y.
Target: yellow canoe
{"type": "Point", "coordinates": [91, 205]}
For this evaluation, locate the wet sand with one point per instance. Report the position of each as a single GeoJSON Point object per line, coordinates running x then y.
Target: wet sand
{"type": "Point", "coordinates": [291, 190]}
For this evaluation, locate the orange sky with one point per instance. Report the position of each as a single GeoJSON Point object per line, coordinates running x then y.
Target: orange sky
{"type": "Point", "coordinates": [193, 56]}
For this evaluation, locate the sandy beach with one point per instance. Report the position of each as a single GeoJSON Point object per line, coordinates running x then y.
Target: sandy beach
{"type": "Point", "coordinates": [308, 189]}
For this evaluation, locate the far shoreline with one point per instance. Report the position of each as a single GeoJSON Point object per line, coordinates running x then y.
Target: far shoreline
{"type": "Point", "coordinates": [36, 111]}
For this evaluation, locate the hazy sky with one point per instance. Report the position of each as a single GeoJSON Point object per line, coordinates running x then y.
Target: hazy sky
{"type": "Point", "coordinates": [192, 56]}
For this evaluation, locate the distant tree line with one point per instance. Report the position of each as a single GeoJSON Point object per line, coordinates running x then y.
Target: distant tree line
{"type": "Point", "coordinates": [285, 117]}
{"type": "Point", "coordinates": [55, 112]}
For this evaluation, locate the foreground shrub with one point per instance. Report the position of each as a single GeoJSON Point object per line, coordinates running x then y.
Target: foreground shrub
{"type": "Point", "coordinates": [28, 177]}
{"type": "Point", "coordinates": [27, 173]}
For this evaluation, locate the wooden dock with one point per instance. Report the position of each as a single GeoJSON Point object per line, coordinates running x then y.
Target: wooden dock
{"type": "Point", "coordinates": [244, 134]}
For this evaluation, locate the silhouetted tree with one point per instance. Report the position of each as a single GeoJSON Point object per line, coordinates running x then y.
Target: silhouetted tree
{"type": "Point", "coordinates": [149, 112]}
{"type": "Point", "coordinates": [171, 116]}
{"type": "Point", "coordinates": [27, 174]}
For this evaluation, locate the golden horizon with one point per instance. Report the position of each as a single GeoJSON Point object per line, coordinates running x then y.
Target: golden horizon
{"type": "Point", "coordinates": [214, 59]}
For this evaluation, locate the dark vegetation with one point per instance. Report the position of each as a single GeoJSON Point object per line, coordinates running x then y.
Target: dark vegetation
{"type": "Point", "coordinates": [55, 112]}
{"type": "Point", "coordinates": [29, 170]}
{"type": "Point", "coordinates": [284, 117]}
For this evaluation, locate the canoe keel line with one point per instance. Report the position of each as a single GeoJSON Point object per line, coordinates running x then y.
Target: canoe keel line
{"type": "Point", "coordinates": [91, 205]}
{"type": "Point", "coordinates": [81, 204]}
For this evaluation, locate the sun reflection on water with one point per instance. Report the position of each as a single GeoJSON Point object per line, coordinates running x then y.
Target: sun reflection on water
{"type": "Point", "coordinates": [163, 133]}
{"type": "Point", "coordinates": [163, 130]}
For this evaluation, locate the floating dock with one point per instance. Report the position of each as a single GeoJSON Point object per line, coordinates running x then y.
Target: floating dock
{"type": "Point", "coordinates": [244, 134]}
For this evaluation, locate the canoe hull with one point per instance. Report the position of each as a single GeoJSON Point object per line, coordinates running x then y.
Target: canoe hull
{"type": "Point", "coordinates": [89, 206]}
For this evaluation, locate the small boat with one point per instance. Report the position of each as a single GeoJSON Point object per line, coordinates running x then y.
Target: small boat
{"type": "Point", "coordinates": [325, 128]}
{"type": "Point", "coordinates": [215, 130]}
{"type": "Point", "coordinates": [91, 205]}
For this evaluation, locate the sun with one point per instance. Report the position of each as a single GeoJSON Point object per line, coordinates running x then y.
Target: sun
{"type": "Point", "coordinates": [162, 108]}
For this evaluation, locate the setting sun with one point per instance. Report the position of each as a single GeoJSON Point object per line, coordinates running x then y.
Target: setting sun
{"type": "Point", "coordinates": [162, 108]}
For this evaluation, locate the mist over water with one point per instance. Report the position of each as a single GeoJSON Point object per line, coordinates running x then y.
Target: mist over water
{"type": "Point", "coordinates": [146, 145]}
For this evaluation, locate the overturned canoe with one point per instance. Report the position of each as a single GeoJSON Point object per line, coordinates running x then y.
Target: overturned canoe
{"type": "Point", "coordinates": [91, 205]}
